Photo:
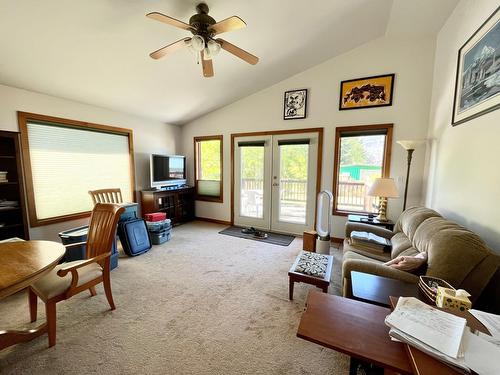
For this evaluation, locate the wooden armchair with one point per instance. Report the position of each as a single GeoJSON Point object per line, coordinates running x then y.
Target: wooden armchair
{"type": "Point", "coordinates": [68, 279]}
{"type": "Point", "coordinates": [106, 196]}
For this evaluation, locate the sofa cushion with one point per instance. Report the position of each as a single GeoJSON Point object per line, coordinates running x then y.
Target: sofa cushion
{"type": "Point", "coordinates": [356, 262]}
{"type": "Point", "coordinates": [453, 251]}
{"type": "Point", "coordinates": [400, 243]}
{"type": "Point", "coordinates": [410, 220]}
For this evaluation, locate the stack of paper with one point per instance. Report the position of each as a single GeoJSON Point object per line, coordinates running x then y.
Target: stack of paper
{"type": "Point", "coordinates": [441, 335]}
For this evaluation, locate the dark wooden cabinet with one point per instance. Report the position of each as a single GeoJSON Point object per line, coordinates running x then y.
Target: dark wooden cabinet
{"type": "Point", "coordinates": [178, 204]}
{"type": "Point", "coordinates": [13, 220]}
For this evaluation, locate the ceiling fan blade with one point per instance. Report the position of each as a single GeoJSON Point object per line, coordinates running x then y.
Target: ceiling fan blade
{"type": "Point", "coordinates": [238, 52]}
{"type": "Point", "coordinates": [229, 24]}
{"type": "Point", "coordinates": [169, 20]}
{"type": "Point", "coordinates": [208, 67]}
{"type": "Point", "coordinates": [170, 48]}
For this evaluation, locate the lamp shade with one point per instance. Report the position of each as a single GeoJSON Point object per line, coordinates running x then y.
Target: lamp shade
{"type": "Point", "coordinates": [411, 145]}
{"type": "Point", "coordinates": [384, 187]}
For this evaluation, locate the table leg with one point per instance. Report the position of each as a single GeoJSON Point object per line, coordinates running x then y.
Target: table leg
{"type": "Point", "coordinates": [8, 338]}
{"type": "Point", "coordinates": [290, 288]}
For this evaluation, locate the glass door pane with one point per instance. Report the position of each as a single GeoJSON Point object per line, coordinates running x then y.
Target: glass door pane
{"type": "Point", "coordinates": [293, 181]}
{"type": "Point", "coordinates": [252, 181]}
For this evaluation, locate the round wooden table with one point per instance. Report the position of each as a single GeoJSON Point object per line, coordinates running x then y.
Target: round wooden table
{"type": "Point", "coordinates": [21, 264]}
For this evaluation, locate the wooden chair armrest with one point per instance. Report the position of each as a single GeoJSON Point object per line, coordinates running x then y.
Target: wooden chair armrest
{"type": "Point", "coordinates": [75, 244]}
{"type": "Point", "coordinates": [64, 270]}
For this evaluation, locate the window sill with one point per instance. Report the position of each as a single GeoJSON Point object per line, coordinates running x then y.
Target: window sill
{"type": "Point", "coordinates": [209, 199]}
{"type": "Point", "coordinates": [347, 213]}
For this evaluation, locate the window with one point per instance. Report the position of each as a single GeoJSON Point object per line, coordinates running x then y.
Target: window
{"type": "Point", "coordinates": [64, 159]}
{"type": "Point", "coordinates": [362, 154]}
{"type": "Point", "coordinates": [208, 168]}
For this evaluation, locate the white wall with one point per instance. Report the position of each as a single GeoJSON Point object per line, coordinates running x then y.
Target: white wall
{"type": "Point", "coordinates": [411, 60]}
{"type": "Point", "coordinates": [149, 135]}
{"type": "Point", "coordinates": [464, 177]}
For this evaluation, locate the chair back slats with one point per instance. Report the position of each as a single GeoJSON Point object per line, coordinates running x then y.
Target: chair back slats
{"type": "Point", "coordinates": [106, 196]}
{"type": "Point", "coordinates": [102, 228]}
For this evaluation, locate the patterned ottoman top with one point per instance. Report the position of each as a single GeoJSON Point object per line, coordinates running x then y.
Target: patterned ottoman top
{"type": "Point", "coordinates": [312, 264]}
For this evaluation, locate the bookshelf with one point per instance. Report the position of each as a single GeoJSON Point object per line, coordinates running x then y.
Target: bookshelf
{"type": "Point", "coordinates": [13, 221]}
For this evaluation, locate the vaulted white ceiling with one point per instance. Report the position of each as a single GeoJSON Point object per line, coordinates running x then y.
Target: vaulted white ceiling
{"type": "Point", "coordinates": [96, 51]}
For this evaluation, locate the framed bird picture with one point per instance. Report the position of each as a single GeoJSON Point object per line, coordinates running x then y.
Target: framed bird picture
{"type": "Point", "coordinates": [295, 106]}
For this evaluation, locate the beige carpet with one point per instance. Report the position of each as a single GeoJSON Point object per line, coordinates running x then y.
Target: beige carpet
{"type": "Point", "coordinates": [203, 303]}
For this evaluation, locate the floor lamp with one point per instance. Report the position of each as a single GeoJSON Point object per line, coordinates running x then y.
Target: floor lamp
{"type": "Point", "coordinates": [409, 146]}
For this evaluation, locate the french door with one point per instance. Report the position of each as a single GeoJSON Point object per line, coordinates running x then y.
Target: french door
{"type": "Point", "coordinates": [275, 181]}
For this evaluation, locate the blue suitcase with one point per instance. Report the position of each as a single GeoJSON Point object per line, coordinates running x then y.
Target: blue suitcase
{"type": "Point", "coordinates": [134, 237]}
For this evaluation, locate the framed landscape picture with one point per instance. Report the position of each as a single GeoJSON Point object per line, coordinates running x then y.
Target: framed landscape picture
{"type": "Point", "coordinates": [295, 104]}
{"type": "Point", "coordinates": [477, 85]}
{"type": "Point", "coordinates": [366, 92]}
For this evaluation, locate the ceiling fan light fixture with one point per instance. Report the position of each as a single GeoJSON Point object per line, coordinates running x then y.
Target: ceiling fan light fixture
{"type": "Point", "coordinates": [198, 43]}
{"type": "Point", "coordinates": [207, 55]}
{"type": "Point", "coordinates": [213, 47]}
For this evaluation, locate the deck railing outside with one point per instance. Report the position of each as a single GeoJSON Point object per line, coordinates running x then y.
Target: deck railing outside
{"type": "Point", "coordinates": [351, 195]}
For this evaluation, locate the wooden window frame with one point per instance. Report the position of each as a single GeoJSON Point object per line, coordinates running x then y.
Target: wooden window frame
{"type": "Point", "coordinates": [386, 164]}
{"type": "Point", "coordinates": [23, 119]}
{"type": "Point", "coordinates": [206, 198]}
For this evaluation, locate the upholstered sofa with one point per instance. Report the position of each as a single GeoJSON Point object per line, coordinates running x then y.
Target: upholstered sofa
{"type": "Point", "coordinates": [454, 253]}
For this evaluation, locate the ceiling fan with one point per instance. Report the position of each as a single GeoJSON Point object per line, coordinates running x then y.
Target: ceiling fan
{"type": "Point", "coordinates": [203, 42]}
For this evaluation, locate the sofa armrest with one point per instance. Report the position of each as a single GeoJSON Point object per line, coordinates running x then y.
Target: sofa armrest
{"type": "Point", "coordinates": [374, 268]}
{"type": "Point", "coordinates": [362, 227]}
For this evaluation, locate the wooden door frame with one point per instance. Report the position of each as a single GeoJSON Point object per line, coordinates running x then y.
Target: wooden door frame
{"type": "Point", "coordinates": [280, 132]}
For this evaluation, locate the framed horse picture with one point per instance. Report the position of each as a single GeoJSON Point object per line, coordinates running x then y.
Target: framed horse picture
{"type": "Point", "coordinates": [366, 92]}
{"type": "Point", "coordinates": [295, 104]}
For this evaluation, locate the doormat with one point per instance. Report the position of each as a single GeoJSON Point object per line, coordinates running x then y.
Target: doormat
{"type": "Point", "coordinates": [272, 238]}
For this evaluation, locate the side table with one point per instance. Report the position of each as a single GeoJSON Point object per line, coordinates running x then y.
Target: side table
{"type": "Point", "coordinates": [377, 289]}
{"type": "Point", "coordinates": [372, 221]}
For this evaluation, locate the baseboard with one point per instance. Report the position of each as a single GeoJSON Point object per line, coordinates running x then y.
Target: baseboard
{"type": "Point", "coordinates": [210, 220]}
{"type": "Point", "coordinates": [336, 240]}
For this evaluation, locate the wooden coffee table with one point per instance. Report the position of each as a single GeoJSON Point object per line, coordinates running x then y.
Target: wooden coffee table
{"type": "Point", "coordinates": [322, 283]}
{"type": "Point", "coordinates": [377, 289]}
{"type": "Point", "coordinates": [354, 328]}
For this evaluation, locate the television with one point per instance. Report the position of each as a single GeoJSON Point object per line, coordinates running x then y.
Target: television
{"type": "Point", "coordinates": [167, 170]}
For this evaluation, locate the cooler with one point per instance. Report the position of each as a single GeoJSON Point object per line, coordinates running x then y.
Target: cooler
{"type": "Point", "coordinates": [79, 234]}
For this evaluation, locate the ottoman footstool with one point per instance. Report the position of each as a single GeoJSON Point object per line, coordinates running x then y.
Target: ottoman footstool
{"type": "Point", "coordinates": [311, 268]}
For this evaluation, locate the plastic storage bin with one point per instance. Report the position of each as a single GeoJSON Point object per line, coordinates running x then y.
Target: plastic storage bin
{"type": "Point", "coordinates": [79, 234]}
{"type": "Point", "coordinates": [155, 216]}
{"type": "Point", "coordinates": [157, 238]}
{"type": "Point", "coordinates": [158, 226]}
{"type": "Point", "coordinates": [130, 211]}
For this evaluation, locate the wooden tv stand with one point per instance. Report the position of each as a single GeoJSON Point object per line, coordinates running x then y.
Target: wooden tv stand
{"type": "Point", "coordinates": [178, 204]}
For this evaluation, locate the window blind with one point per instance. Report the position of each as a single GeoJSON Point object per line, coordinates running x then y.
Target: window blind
{"type": "Point", "coordinates": [67, 162]}
{"type": "Point", "coordinates": [208, 188]}
{"type": "Point", "coordinates": [208, 173]}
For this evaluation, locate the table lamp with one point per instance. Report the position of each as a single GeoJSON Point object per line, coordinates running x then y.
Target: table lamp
{"type": "Point", "coordinates": [383, 188]}
{"type": "Point", "coordinates": [409, 146]}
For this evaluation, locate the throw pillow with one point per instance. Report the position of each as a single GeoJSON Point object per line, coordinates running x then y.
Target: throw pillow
{"type": "Point", "coordinates": [408, 263]}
